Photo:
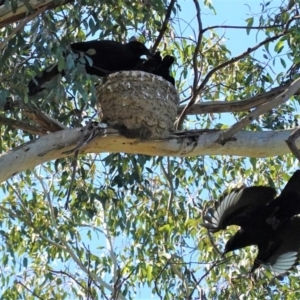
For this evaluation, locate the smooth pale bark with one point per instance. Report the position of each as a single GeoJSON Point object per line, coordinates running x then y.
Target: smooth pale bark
{"type": "Point", "coordinates": [189, 143]}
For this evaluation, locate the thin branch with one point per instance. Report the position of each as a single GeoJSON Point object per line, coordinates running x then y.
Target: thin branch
{"type": "Point", "coordinates": [44, 120]}
{"type": "Point", "coordinates": [110, 248]}
{"type": "Point", "coordinates": [67, 247]}
{"type": "Point", "coordinates": [22, 126]}
{"type": "Point", "coordinates": [205, 274]}
{"type": "Point", "coordinates": [197, 75]}
{"type": "Point", "coordinates": [156, 279]}
{"type": "Point", "coordinates": [68, 275]}
{"type": "Point", "coordinates": [281, 98]}
{"type": "Point", "coordinates": [236, 105]}
{"type": "Point", "coordinates": [242, 27]}
{"type": "Point", "coordinates": [180, 120]}
{"type": "Point", "coordinates": [21, 25]}
{"type": "Point", "coordinates": [30, 291]}
{"type": "Point", "coordinates": [164, 26]}
{"type": "Point", "coordinates": [169, 178]}
{"type": "Point", "coordinates": [177, 272]}
{"type": "Point", "coordinates": [120, 281]}
{"type": "Point", "coordinates": [74, 162]}
{"type": "Point", "coordinates": [7, 16]}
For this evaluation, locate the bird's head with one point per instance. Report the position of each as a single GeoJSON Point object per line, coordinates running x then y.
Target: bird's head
{"type": "Point", "coordinates": [157, 57]}
{"type": "Point", "coordinates": [240, 240]}
{"type": "Point", "coordinates": [139, 48]}
{"type": "Point", "coordinates": [168, 61]}
{"type": "Point", "coordinates": [230, 246]}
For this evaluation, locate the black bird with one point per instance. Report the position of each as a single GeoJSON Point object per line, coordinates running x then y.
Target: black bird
{"type": "Point", "coordinates": [163, 69]}
{"type": "Point", "coordinates": [151, 64]}
{"type": "Point", "coordinates": [232, 207]}
{"type": "Point", "coordinates": [106, 56]}
{"type": "Point", "coordinates": [282, 251]}
{"type": "Point", "coordinates": [158, 66]}
{"type": "Point", "coordinates": [265, 222]}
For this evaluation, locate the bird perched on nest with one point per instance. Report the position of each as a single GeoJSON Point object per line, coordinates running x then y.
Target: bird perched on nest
{"type": "Point", "coordinates": [106, 57]}
{"type": "Point", "coordinates": [158, 66]}
{"type": "Point", "coordinates": [265, 221]}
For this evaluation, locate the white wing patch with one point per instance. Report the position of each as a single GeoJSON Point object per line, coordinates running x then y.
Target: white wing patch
{"type": "Point", "coordinates": [283, 263]}
{"type": "Point", "coordinates": [229, 201]}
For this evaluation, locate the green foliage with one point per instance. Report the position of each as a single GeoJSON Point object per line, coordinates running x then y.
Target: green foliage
{"type": "Point", "coordinates": [134, 221]}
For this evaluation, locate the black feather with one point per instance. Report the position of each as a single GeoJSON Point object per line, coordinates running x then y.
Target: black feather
{"type": "Point", "coordinates": [158, 66]}
{"type": "Point", "coordinates": [106, 57]}
{"type": "Point", "coordinates": [271, 224]}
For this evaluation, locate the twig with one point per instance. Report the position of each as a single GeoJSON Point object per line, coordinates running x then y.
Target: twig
{"type": "Point", "coordinates": [43, 120]}
{"type": "Point", "coordinates": [32, 293]}
{"type": "Point", "coordinates": [199, 41]}
{"type": "Point", "coordinates": [205, 274]}
{"type": "Point", "coordinates": [23, 126]}
{"type": "Point", "coordinates": [156, 279]}
{"type": "Point", "coordinates": [69, 250]}
{"type": "Point", "coordinates": [171, 186]}
{"type": "Point", "coordinates": [68, 275]}
{"type": "Point", "coordinates": [74, 167]}
{"type": "Point", "coordinates": [110, 248]}
{"type": "Point", "coordinates": [236, 105]}
{"type": "Point", "coordinates": [281, 98]}
{"type": "Point", "coordinates": [21, 25]}
{"type": "Point", "coordinates": [241, 27]}
{"type": "Point", "coordinates": [164, 26]}
{"type": "Point", "coordinates": [82, 142]}
{"type": "Point", "coordinates": [196, 93]}
{"type": "Point", "coordinates": [181, 276]}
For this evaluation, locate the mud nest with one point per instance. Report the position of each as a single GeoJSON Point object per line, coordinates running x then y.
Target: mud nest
{"type": "Point", "coordinates": [141, 105]}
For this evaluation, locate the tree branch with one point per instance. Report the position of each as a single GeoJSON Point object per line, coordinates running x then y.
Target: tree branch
{"type": "Point", "coordinates": [181, 144]}
{"type": "Point", "coordinates": [7, 16]}
{"type": "Point", "coordinates": [20, 26]}
{"type": "Point", "coordinates": [164, 26]}
{"type": "Point", "coordinates": [23, 126]}
{"type": "Point", "coordinates": [196, 93]}
{"type": "Point", "coordinates": [280, 99]}
{"type": "Point", "coordinates": [236, 105]}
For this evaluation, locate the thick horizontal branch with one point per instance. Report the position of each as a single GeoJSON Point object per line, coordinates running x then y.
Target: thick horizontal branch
{"type": "Point", "coordinates": [189, 143]}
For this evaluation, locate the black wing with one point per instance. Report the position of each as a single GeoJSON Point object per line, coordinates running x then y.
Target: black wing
{"type": "Point", "coordinates": [109, 56]}
{"type": "Point", "coordinates": [236, 207]}
{"type": "Point", "coordinates": [287, 204]}
{"type": "Point", "coordinates": [283, 248]}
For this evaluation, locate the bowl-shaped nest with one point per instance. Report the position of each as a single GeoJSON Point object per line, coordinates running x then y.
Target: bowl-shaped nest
{"type": "Point", "coordinates": [141, 105]}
